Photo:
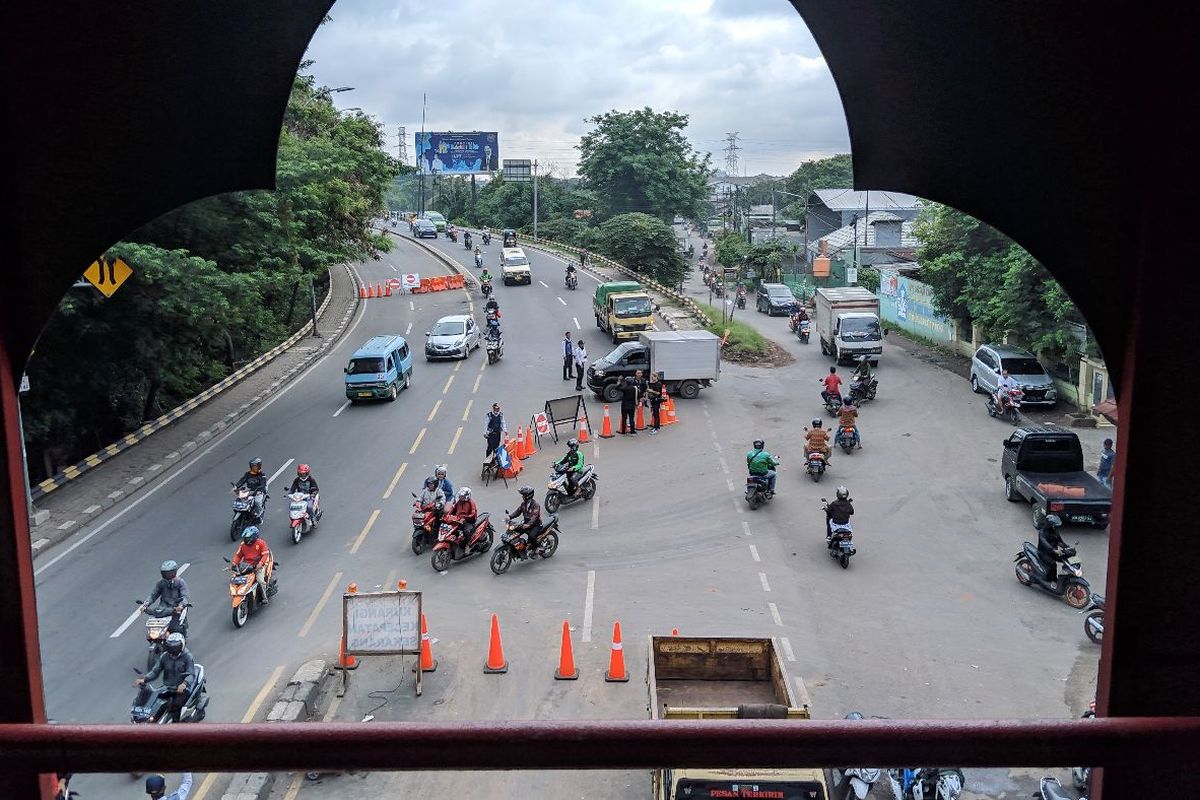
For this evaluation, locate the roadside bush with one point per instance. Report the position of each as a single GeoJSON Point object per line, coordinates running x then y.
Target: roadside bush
{"type": "Point", "coordinates": [744, 344]}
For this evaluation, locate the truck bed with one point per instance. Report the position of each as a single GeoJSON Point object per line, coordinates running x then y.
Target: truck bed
{"type": "Point", "coordinates": [687, 693]}
{"type": "Point", "coordinates": [1093, 490]}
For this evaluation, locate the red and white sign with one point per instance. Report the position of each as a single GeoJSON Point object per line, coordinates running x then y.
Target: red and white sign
{"type": "Point", "coordinates": [411, 280]}
{"type": "Point", "coordinates": [541, 423]}
{"type": "Point", "coordinates": [394, 283]}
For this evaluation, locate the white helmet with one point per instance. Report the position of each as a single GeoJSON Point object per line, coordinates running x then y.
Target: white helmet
{"type": "Point", "coordinates": [464, 493]}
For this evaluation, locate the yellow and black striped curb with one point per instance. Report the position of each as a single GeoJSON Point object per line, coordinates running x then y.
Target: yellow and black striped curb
{"type": "Point", "coordinates": [43, 488]}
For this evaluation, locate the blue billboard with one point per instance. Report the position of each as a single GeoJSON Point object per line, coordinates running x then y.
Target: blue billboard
{"type": "Point", "coordinates": [457, 153]}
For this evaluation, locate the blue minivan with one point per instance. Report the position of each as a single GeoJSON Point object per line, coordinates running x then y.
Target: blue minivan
{"type": "Point", "coordinates": [380, 368]}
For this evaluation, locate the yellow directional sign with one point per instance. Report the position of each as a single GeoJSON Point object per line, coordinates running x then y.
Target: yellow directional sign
{"type": "Point", "coordinates": [107, 276]}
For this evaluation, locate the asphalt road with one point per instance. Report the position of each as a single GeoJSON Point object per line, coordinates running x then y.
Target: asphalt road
{"type": "Point", "coordinates": [927, 622]}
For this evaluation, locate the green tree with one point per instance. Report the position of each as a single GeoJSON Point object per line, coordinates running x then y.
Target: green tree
{"type": "Point", "coordinates": [645, 244]}
{"type": "Point", "coordinates": [836, 172]}
{"type": "Point", "coordinates": [639, 161]}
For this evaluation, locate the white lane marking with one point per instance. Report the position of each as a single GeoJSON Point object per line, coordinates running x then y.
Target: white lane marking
{"type": "Point", "coordinates": [762, 578]}
{"type": "Point", "coordinates": [705, 410]}
{"type": "Point", "coordinates": [137, 612]}
{"type": "Point", "coordinates": [587, 606]}
{"type": "Point", "coordinates": [775, 614]}
{"type": "Point", "coordinates": [342, 408]}
{"type": "Point", "coordinates": [564, 302]}
{"type": "Point", "coordinates": [737, 506]}
{"type": "Point", "coordinates": [279, 471]}
{"type": "Point", "coordinates": [724, 465]}
{"type": "Point", "coordinates": [408, 330]}
{"type": "Point", "coordinates": [787, 648]}
{"type": "Point", "coordinates": [412, 306]}
{"type": "Point", "coordinates": [717, 445]}
{"type": "Point", "coordinates": [729, 483]}
{"type": "Point", "coordinates": [576, 321]}
{"type": "Point", "coordinates": [754, 553]}
{"type": "Point", "coordinates": [714, 434]}
{"type": "Point", "coordinates": [467, 412]}
{"type": "Point", "coordinates": [543, 283]}
{"type": "Point", "coordinates": [595, 511]}
{"type": "Point", "coordinates": [436, 406]}
{"type": "Point", "coordinates": [746, 528]}
{"type": "Point", "coordinates": [393, 268]}
{"type": "Point", "coordinates": [150, 492]}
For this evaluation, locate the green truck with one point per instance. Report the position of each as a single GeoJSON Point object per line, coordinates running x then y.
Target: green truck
{"type": "Point", "coordinates": [622, 309]}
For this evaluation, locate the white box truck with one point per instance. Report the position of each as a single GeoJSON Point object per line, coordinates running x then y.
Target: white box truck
{"type": "Point", "coordinates": [688, 361]}
{"type": "Point", "coordinates": [848, 326]}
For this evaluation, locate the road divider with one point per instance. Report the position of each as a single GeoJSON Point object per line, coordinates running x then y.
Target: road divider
{"type": "Point", "coordinates": [454, 443]}
{"type": "Point", "coordinates": [417, 443]}
{"type": "Point", "coordinates": [312, 618]}
{"type": "Point", "coordinates": [433, 413]}
{"type": "Point", "coordinates": [395, 480]}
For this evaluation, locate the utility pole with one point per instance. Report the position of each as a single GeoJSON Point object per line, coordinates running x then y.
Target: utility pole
{"type": "Point", "coordinates": [420, 168]}
{"type": "Point", "coordinates": [535, 208]}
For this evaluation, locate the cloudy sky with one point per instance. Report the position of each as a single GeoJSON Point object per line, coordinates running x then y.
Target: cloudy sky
{"type": "Point", "coordinates": [534, 69]}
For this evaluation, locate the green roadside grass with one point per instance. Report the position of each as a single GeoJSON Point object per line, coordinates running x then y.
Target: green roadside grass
{"type": "Point", "coordinates": [745, 343]}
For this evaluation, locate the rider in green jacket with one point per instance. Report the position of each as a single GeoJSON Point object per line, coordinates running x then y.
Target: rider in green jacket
{"type": "Point", "coordinates": [572, 464]}
{"type": "Point", "coordinates": [760, 462]}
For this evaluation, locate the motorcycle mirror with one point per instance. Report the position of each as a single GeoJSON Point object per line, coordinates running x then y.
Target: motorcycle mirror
{"type": "Point", "coordinates": [226, 560]}
{"type": "Point", "coordinates": [823, 500]}
{"type": "Point", "coordinates": [426, 333]}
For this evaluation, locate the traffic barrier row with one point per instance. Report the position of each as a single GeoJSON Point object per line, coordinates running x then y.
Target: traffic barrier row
{"type": "Point", "coordinates": [497, 664]}
{"type": "Point", "coordinates": [440, 283]}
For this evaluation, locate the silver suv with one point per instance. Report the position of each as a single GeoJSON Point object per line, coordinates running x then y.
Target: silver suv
{"type": "Point", "coordinates": [1023, 367]}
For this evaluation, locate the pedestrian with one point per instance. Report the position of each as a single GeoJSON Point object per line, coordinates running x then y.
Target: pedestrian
{"type": "Point", "coordinates": [654, 390]}
{"type": "Point", "coordinates": [568, 356]}
{"type": "Point", "coordinates": [1107, 456]}
{"type": "Point", "coordinates": [583, 257]}
{"type": "Point", "coordinates": [629, 401]}
{"type": "Point", "coordinates": [156, 788]}
{"type": "Point", "coordinates": [495, 429]}
{"type": "Point", "coordinates": [581, 363]}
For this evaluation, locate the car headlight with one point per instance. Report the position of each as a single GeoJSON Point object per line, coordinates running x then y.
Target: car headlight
{"type": "Point", "coordinates": [1051, 393]}
{"type": "Point", "coordinates": [599, 373]}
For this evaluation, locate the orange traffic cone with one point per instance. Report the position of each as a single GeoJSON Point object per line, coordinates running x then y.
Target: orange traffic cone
{"type": "Point", "coordinates": [378, 289]}
{"type": "Point", "coordinates": [674, 631]}
{"type": "Point", "coordinates": [428, 664]}
{"type": "Point", "coordinates": [616, 661]}
{"type": "Point", "coordinates": [530, 450]}
{"type": "Point", "coordinates": [606, 429]}
{"type": "Point", "coordinates": [582, 436]}
{"type": "Point", "coordinates": [668, 410]}
{"type": "Point", "coordinates": [639, 420]}
{"type": "Point", "coordinates": [495, 665]}
{"type": "Point", "coordinates": [387, 289]}
{"type": "Point", "coordinates": [566, 659]}
{"type": "Point", "coordinates": [370, 291]}
{"type": "Point", "coordinates": [519, 444]}
{"type": "Point", "coordinates": [362, 292]}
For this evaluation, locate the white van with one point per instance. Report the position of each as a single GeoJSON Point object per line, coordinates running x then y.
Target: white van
{"type": "Point", "coordinates": [514, 266]}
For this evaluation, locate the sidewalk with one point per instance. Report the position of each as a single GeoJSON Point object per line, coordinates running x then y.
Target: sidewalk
{"type": "Point", "coordinates": [89, 496]}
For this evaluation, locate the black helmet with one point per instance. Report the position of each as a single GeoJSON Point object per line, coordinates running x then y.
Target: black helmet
{"type": "Point", "coordinates": [759, 444]}
{"type": "Point", "coordinates": [843, 493]}
{"type": "Point", "coordinates": [816, 423]}
{"type": "Point", "coordinates": [526, 492]}
{"type": "Point", "coordinates": [1053, 521]}
{"type": "Point", "coordinates": [255, 464]}
{"type": "Point", "coordinates": [175, 643]}
{"type": "Point", "coordinates": [156, 785]}
{"type": "Point", "coordinates": [573, 444]}
{"type": "Point", "coordinates": [168, 570]}
{"type": "Point", "coordinates": [431, 482]}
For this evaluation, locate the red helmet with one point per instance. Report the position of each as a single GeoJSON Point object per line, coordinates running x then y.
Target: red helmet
{"type": "Point", "coordinates": [302, 470]}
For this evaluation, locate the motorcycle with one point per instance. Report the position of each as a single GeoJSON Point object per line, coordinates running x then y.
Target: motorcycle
{"type": "Point", "coordinates": [243, 511]}
{"type": "Point", "coordinates": [454, 545]}
{"type": "Point", "coordinates": [833, 404]}
{"type": "Point", "coordinates": [803, 329]}
{"type": "Point", "coordinates": [814, 465]}
{"type": "Point", "coordinates": [478, 260]}
{"type": "Point", "coordinates": [302, 521]}
{"type": "Point", "coordinates": [1070, 585]}
{"type": "Point", "coordinates": [1093, 622]}
{"type": "Point", "coordinates": [845, 439]}
{"type": "Point", "coordinates": [514, 547]}
{"type": "Point", "coordinates": [245, 592]}
{"type": "Point", "coordinates": [467, 241]}
{"type": "Point", "coordinates": [487, 238]}
{"type": "Point", "coordinates": [152, 703]}
{"type": "Point", "coordinates": [1081, 777]}
{"type": "Point", "coordinates": [426, 520]}
{"type": "Point", "coordinates": [756, 491]}
{"type": "Point", "coordinates": [572, 281]}
{"type": "Point", "coordinates": [556, 489]}
{"type": "Point", "coordinates": [453, 234]}
{"type": "Point", "coordinates": [861, 392]}
{"type": "Point", "coordinates": [1051, 789]}
{"type": "Point", "coordinates": [1012, 408]}
{"type": "Point", "coordinates": [494, 345]}
{"type": "Point", "coordinates": [741, 300]}
{"type": "Point", "coordinates": [486, 288]}
{"type": "Point", "coordinates": [926, 783]}
{"type": "Point", "coordinates": [157, 630]}
{"type": "Point", "coordinates": [839, 539]}
{"type": "Point", "coordinates": [858, 780]}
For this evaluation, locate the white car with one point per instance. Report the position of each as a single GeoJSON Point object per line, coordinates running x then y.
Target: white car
{"type": "Point", "coordinates": [452, 337]}
{"type": "Point", "coordinates": [514, 266]}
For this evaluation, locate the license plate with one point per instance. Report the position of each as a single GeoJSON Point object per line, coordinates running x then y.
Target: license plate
{"type": "Point", "coordinates": [364, 394]}
{"type": "Point", "coordinates": [845, 544]}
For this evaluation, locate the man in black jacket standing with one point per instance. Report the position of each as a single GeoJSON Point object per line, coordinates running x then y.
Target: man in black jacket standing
{"type": "Point", "coordinates": [568, 356]}
{"type": "Point", "coordinates": [629, 401]}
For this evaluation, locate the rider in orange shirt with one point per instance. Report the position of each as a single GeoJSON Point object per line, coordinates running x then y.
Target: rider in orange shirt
{"type": "Point", "coordinates": [254, 551]}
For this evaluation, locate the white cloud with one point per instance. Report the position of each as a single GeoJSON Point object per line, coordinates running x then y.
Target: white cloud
{"type": "Point", "coordinates": [534, 70]}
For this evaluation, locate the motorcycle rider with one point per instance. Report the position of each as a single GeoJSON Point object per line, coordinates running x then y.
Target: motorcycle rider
{"type": "Point", "coordinates": [467, 240]}
{"type": "Point", "coordinates": [798, 316]}
{"type": "Point", "coordinates": [432, 493]}
{"type": "Point", "coordinates": [256, 482]}
{"type": "Point", "coordinates": [816, 439]}
{"type": "Point", "coordinates": [741, 296]}
{"type": "Point", "coordinates": [572, 465]}
{"type": "Point", "coordinates": [156, 787]}
{"type": "Point", "coordinates": [439, 474]}
{"type": "Point", "coordinates": [1003, 386]}
{"type": "Point", "coordinates": [1050, 544]}
{"type": "Point", "coordinates": [172, 593]}
{"type": "Point", "coordinates": [176, 666]}
{"type": "Point", "coordinates": [463, 512]}
{"type": "Point", "coordinates": [863, 372]}
{"type": "Point", "coordinates": [833, 385]}
{"type": "Point", "coordinates": [254, 551]}
{"type": "Point", "coordinates": [571, 272]}
{"type": "Point", "coordinates": [838, 512]}
{"type": "Point", "coordinates": [848, 418]}
{"type": "Point", "coordinates": [306, 483]}
{"type": "Point", "coordinates": [479, 258]}
{"type": "Point", "coordinates": [485, 276]}
{"type": "Point", "coordinates": [530, 513]}
{"type": "Point", "coordinates": [760, 462]}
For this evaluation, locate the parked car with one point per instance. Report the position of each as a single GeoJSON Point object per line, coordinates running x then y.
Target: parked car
{"type": "Point", "coordinates": [452, 337]}
{"type": "Point", "coordinates": [423, 228]}
{"type": "Point", "coordinates": [1022, 367]}
{"type": "Point", "coordinates": [774, 298]}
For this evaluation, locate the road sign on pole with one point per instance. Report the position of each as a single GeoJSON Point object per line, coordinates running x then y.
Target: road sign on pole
{"type": "Point", "coordinates": [107, 276]}
{"type": "Point", "coordinates": [24, 384]}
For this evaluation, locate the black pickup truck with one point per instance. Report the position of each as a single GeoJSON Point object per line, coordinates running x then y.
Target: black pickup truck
{"type": "Point", "coordinates": [1043, 465]}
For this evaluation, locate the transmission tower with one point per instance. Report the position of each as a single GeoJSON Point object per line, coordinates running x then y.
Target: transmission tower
{"type": "Point", "coordinates": [403, 146]}
{"type": "Point", "coordinates": [731, 151]}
